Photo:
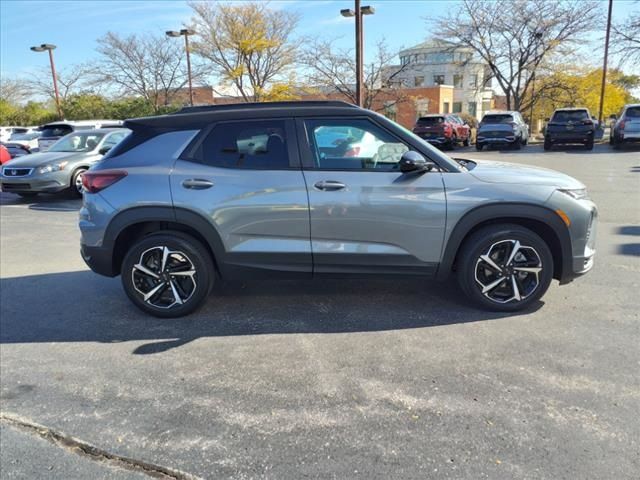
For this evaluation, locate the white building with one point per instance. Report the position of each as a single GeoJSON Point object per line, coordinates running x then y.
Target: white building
{"type": "Point", "coordinates": [436, 63]}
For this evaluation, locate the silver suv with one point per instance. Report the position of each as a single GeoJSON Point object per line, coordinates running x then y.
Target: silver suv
{"type": "Point", "coordinates": [316, 188]}
{"type": "Point", "coordinates": [502, 128]}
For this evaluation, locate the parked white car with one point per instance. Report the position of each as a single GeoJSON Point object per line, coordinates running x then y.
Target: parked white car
{"type": "Point", "coordinates": [6, 132]}
{"type": "Point", "coordinates": [29, 139]}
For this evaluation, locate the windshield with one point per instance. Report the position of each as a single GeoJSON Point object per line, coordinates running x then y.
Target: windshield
{"type": "Point", "coordinates": [25, 136]}
{"type": "Point", "coordinates": [633, 112]}
{"type": "Point", "coordinates": [504, 118]}
{"type": "Point", "coordinates": [77, 142]}
{"type": "Point", "coordinates": [570, 116]}
{"type": "Point", "coordinates": [56, 130]}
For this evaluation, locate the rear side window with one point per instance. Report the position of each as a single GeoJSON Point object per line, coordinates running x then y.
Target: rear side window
{"type": "Point", "coordinates": [570, 116]}
{"type": "Point", "coordinates": [633, 112]}
{"type": "Point", "coordinates": [505, 118]}
{"type": "Point", "coordinates": [56, 130]}
{"type": "Point", "coordinates": [250, 145]}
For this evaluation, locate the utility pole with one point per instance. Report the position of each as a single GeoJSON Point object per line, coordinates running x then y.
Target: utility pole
{"type": "Point", "coordinates": [358, 13]}
{"type": "Point", "coordinates": [185, 32]}
{"type": "Point", "coordinates": [604, 66]}
{"type": "Point", "coordinates": [48, 47]}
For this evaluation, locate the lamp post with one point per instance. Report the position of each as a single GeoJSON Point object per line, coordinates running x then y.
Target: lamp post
{"type": "Point", "coordinates": [185, 32]}
{"type": "Point", "coordinates": [49, 48]}
{"type": "Point", "coordinates": [358, 13]}
{"type": "Point", "coordinates": [604, 66]}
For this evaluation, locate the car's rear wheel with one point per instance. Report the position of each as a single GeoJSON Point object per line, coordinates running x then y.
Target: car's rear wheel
{"type": "Point", "coordinates": [479, 146]}
{"type": "Point", "coordinates": [168, 274]}
{"type": "Point", "coordinates": [504, 267]}
{"type": "Point", "coordinates": [76, 182]}
{"type": "Point", "coordinates": [517, 144]}
{"type": "Point", "coordinates": [589, 144]}
{"type": "Point", "coordinates": [466, 142]}
{"type": "Point", "coordinates": [547, 144]}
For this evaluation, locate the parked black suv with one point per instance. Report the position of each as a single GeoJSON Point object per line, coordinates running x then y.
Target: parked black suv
{"type": "Point", "coordinates": [570, 125]}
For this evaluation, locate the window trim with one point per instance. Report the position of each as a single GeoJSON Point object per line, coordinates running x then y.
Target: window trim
{"type": "Point", "coordinates": [292, 151]}
{"type": "Point", "coordinates": [306, 148]}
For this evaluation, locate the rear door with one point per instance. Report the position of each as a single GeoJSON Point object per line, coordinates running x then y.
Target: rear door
{"type": "Point", "coordinates": [367, 216]}
{"type": "Point", "coordinates": [245, 178]}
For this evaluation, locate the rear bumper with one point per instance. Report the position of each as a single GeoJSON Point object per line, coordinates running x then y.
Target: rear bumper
{"type": "Point", "coordinates": [570, 137]}
{"type": "Point", "coordinates": [98, 259]}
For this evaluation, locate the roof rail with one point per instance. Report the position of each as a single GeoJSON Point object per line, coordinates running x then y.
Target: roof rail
{"type": "Point", "coordinates": [234, 106]}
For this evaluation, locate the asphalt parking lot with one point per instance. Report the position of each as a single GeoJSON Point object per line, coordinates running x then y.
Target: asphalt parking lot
{"type": "Point", "coordinates": [325, 379]}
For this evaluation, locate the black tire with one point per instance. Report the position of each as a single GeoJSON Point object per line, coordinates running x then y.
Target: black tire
{"type": "Point", "coordinates": [589, 144]}
{"type": "Point", "coordinates": [466, 142]}
{"type": "Point", "coordinates": [453, 142]}
{"type": "Point", "coordinates": [479, 146]}
{"type": "Point", "coordinates": [616, 143]}
{"type": "Point", "coordinates": [517, 145]}
{"type": "Point", "coordinates": [525, 142]}
{"type": "Point", "coordinates": [547, 144]}
{"type": "Point", "coordinates": [77, 176]}
{"type": "Point", "coordinates": [28, 194]}
{"type": "Point", "coordinates": [496, 238]}
{"type": "Point", "coordinates": [192, 292]}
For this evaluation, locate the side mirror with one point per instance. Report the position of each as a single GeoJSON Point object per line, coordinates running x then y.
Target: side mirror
{"type": "Point", "coordinates": [413, 162]}
{"type": "Point", "coordinates": [547, 119]}
{"type": "Point", "coordinates": [104, 150]}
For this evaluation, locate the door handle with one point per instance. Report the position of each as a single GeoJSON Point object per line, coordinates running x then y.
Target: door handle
{"type": "Point", "coordinates": [197, 184]}
{"type": "Point", "coordinates": [329, 185]}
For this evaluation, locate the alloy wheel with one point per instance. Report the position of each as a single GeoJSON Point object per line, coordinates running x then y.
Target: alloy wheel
{"type": "Point", "coordinates": [164, 278]}
{"type": "Point", "coordinates": [508, 271]}
{"type": "Point", "coordinates": [78, 183]}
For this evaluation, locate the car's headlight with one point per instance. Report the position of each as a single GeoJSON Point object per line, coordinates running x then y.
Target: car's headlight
{"type": "Point", "coordinates": [52, 167]}
{"type": "Point", "coordinates": [575, 193]}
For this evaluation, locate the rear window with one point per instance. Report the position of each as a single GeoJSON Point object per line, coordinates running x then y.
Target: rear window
{"type": "Point", "coordinates": [570, 116]}
{"type": "Point", "coordinates": [56, 130]}
{"type": "Point", "coordinates": [425, 121]}
{"type": "Point", "coordinates": [502, 118]}
{"type": "Point", "coordinates": [633, 112]}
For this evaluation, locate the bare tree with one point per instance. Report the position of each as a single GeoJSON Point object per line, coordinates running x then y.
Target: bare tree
{"type": "Point", "coordinates": [334, 70]}
{"type": "Point", "coordinates": [71, 80]}
{"type": "Point", "coordinates": [625, 39]}
{"type": "Point", "coordinates": [514, 37]}
{"type": "Point", "coordinates": [149, 66]}
{"type": "Point", "coordinates": [248, 45]}
{"type": "Point", "coordinates": [13, 90]}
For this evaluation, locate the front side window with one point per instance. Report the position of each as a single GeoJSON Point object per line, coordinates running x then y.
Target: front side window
{"type": "Point", "coordinates": [457, 81]}
{"type": "Point", "coordinates": [353, 144]}
{"type": "Point", "coordinates": [77, 142]}
{"type": "Point", "coordinates": [250, 145]}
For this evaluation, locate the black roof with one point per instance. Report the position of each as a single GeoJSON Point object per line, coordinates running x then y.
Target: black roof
{"type": "Point", "coordinates": [196, 117]}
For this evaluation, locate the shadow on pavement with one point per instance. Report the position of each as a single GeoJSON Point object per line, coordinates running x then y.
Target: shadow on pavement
{"type": "Point", "coordinates": [632, 249]}
{"type": "Point", "coordinates": [629, 230]}
{"type": "Point", "coordinates": [51, 202]}
{"type": "Point", "coordinates": [84, 307]}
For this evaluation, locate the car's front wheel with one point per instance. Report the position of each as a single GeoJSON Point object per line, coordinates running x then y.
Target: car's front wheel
{"type": "Point", "coordinates": [504, 267]}
{"type": "Point", "coordinates": [76, 182]}
{"type": "Point", "coordinates": [168, 274]}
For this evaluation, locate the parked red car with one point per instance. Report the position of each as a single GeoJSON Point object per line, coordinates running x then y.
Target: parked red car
{"type": "Point", "coordinates": [443, 130]}
{"type": "Point", "coordinates": [5, 156]}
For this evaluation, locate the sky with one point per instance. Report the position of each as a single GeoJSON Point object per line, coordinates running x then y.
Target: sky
{"type": "Point", "coordinates": [75, 26]}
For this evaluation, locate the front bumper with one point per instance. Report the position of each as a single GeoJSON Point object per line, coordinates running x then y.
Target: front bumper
{"type": "Point", "coordinates": [52, 182]}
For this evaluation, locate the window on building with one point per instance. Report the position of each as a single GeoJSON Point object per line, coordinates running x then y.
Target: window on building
{"type": "Point", "coordinates": [445, 107]}
{"type": "Point", "coordinates": [472, 108]}
{"type": "Point", "coordinates": [438, 79]}
{"type": "Point", "coordinates": [473, 83]}
{"type": "Point", "coordinates": [258, 144]}
{"type": "Point", "coordinates": [457, 81]}
{"type": "Point", "coordinates": [457, 107]}
{"type": "Point", "coordinates": [418, 81]}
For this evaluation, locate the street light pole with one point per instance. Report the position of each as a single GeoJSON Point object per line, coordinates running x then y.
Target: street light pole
{"type": "Point", "coordinates": [49, 48]}
{"type": "Point", "coordinates": [358, 13]}
{"type": "Point", "coordinates": [185, 32]}
{"type": "Point", "coordinates": [604, 67]}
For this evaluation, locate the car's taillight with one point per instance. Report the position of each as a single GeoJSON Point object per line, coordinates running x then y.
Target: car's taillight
{"type": "Point", "coordinates": [352, 152]}
{"type": "Point", "coordinates": [93, 182]}
{"type": "Point", "coordinates": [587, 122]}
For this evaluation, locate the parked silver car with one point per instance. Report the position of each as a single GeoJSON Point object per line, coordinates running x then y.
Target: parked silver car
{"type": "Point", "coordinates": [501, 127]}
{"type": "Point", "coordinates": [295, 188]}
{"type": "Point", "coordinates": [54, 131]}
{"type": "Point", "coordinates": [61, 167]}
{"type": "Point", "coordinates": [627, 127]}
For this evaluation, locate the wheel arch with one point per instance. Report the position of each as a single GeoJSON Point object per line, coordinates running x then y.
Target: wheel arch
{"type": "Point", "coordinates": [132, 224]}
{"type": "Point", "coordinates": [543, 221]}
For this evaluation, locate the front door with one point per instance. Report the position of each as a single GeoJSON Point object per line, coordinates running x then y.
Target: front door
{"type": "Point", "coordinates": [245, 178]}
{"type": "Point", "coordinates": [366, 215]}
